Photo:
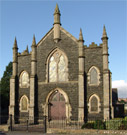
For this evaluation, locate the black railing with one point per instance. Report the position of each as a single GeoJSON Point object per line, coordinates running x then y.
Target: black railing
{"type": "Point", "coordinates": [23, 124]}
{"type": "Point", "coordinates": [44, 123]}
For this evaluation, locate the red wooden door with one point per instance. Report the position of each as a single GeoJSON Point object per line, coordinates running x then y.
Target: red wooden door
{"type": "Point", "coordinates": [57, 106]}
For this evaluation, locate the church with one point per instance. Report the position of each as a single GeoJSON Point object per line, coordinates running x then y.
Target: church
{"type": "Point", "coordinates": [61, 78]}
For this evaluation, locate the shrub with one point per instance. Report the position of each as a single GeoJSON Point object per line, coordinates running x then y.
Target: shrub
{"type": "Point", "coordinates": [113, 124]}
{"type": "Point", "coordinates": [123, 125]}
{"type": "Point", "coordinates": [98, 124]}
{"type": "Point", "coordinates": [88, 125]}
{"type": "Point", "coordinates": [125, 118]}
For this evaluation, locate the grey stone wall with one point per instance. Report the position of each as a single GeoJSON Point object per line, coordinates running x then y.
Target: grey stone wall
{"type": "Point", "coordinates": [93, 57]}
{"type": "Point", "coordinates": [24, 63]}
{"type": "Point", "coordinates": [71, 89]}
{"type": "Point", "coordinates": [70, 48]}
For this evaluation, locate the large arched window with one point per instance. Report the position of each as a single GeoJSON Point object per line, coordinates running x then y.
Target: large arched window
{"type": "Point", "coordinates": [93, 76]}
{"type": "Point", "coordinates": [24, 80]}
{"type": "Point", "coordinates": [94, 104]}
{"type": "Point", "coordinates": [57, 67]}
{"type": "Point", "coordinates": [24, 103]}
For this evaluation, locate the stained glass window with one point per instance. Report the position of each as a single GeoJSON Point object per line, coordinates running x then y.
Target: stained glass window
{"type": "Point", "coordinates": [52, 70]}
{"type": "Point", "coordinates": [62, 69]}
{"type": "Point", "coordinates": [57, 67]}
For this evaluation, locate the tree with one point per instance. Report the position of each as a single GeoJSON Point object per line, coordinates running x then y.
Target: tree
{"type": "Point", "coordinates": [5, 87]}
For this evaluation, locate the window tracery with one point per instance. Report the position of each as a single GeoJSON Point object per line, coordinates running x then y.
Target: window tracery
{"type": "Point", "coordinates": [57, 67]}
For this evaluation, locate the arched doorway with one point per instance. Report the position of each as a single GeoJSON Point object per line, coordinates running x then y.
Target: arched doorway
{"type": "Point", "coordinates": [57, 107]}
{"type": "Point", "coordinates": [47, 106]}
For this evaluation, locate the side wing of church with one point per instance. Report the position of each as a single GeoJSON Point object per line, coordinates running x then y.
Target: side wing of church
{"type": "Point", "coordinates": [61, 78]}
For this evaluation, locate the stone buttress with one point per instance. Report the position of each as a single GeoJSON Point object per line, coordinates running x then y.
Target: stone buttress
{"type": "Point", "coordinates": [32, 81]}
{"type": "Point", "coordinates": [81, 78]}
{"type": "Point", "coordinates": [13, 80]}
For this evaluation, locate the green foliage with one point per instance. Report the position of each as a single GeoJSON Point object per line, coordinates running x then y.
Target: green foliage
{"type": "Point", "coordinates": [5, 86]}
{"type": "Point", "coordinates": [122, 101]}
{"type": "Point", "coordinates": [88, 125]}
{"type": "Point", "coordinates": [98, 124]}
{"type": "Point", "coordinates": [125, 118]}
{"type": "Point", "coordinates": [113, 124]}
{"type": "Point", "coordinates": [123, 125]}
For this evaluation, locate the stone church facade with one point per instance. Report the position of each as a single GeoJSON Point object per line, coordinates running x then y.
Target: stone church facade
{"type": "Point", "coordinates": [61, 78]}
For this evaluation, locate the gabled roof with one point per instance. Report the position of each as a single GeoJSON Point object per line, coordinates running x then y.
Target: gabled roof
{"type": "Point", "coordinates": [68, 34]}
{"type": "Point", "coordinates": [51, 30]}
{"type": "Point", "coordinates": [47, 34]}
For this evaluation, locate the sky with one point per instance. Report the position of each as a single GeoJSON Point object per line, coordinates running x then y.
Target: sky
{"type": "Point", "coordinates": [24, 18]}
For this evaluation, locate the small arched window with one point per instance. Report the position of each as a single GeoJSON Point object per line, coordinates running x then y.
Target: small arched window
{"type": "Point", "coordinates": [94, 104]}
{"type": "Point", "coordinates": [93, 76]}
{"type": "Point", "coordinates": [24, 80]}
{"type": "Point", "coordinates": [24, 104]}
{"type": "Point", "coordinates": [57, 67]}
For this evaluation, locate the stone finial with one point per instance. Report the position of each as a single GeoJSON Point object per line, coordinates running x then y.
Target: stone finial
{"type": "Point", "coordinates": [57, 15]}
{"type": "Point", "coordinates": [34, 41]}
{"type": "Point", "coordinates": [104, 33]}
{"type": "Point", "coordinates": [57, 24]}
{"type": "Point", "coordinates": [80, 35]}
{"type": "Point", "coordinates": [27, 50]}
{"type": "Point", "coordinates": [57, 11]}
{"type": "Point", "coordinates": [15, 43]}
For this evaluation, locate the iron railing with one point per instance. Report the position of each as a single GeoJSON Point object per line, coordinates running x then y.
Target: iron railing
{"type": "Point", "coordinates": [43, 123]}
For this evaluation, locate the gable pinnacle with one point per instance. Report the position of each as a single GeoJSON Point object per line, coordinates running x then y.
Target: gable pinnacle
{"type": "Point", "coordinates": [57, 11]}
{"type": "Point", "coordinates": [15, 43]}
{"type": "Point", "coordinates": [80, 35]}
{"type": "Point", "coordinates": [104, 33]}
{"type": "Point", "coordinates": [34, 41]}
{"type": "Point", "coordinates": [27, 50]}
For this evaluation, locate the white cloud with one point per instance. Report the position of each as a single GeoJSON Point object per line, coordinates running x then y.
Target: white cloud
{"type": "Point", "coordinates": [121, 85]}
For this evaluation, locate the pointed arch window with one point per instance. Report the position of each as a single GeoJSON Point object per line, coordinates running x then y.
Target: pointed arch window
{"type": "Point", "coordinates": [57, 67]}
{"type": "Point", "coordinates": [24, 103]}
{"type": "Point", "coordinates": [94, 104]}
{"type": "Point", "coordinates": [94, 76]}
{"type": "Point", "coordinates": [24, 80]}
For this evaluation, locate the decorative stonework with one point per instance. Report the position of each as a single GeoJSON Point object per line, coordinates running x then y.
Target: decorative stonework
{"type": "Point", "coordinates": [57, 64]}
{"type": "Point", "coordinates": [94, 104]}
{"type": "Point", "coordinates": [93, 76]}
{"type": "Point", "coordinates": [93, 45]}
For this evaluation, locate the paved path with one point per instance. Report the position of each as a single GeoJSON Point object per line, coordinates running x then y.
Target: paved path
{"type": "Point", "coordinates": [39, 133]}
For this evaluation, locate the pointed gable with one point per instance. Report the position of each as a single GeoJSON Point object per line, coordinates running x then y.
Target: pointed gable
{"type": "Point", "coordinates": [61, 29]}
